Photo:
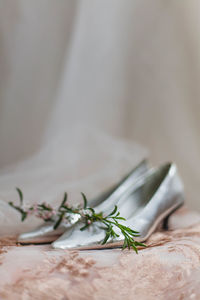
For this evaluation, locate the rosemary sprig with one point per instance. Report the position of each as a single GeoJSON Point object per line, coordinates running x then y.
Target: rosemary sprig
{"type": "Point", "coordinates": [86, 214]}
{"type": "Point", "coordinates": [43, 210]}
{"type": "Point", "coordinates": [110, 222]}
{"type": "Point", "coordinates": [20, 208]}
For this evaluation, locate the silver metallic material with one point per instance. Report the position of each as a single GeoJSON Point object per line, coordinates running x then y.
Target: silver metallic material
{"type": "Point", "coordinates": [104, 202]}
{"type": "Point", "coordinates": [158, 193]}
{"type": "Point", "coordinates": [45, 233]}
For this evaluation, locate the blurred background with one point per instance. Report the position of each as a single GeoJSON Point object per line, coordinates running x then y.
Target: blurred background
{"type": "Point", "coordinates": [128, 69]}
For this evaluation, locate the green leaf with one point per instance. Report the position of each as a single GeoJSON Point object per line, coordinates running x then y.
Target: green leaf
{"type": "Point", "coordinates": [92, 210]}
{"type": "Point", "coordinates": [59, 220]}
{"type": "Point", "coordinates": [84, 227]}
{"type": "Point", "coordinates": [120, 218]}
{"type": "Point", "coordinates": [106, 238]}
{"type": "Point", "coordinates": [20, 195]}
{"type": "Point", "coordinates": [125, 244]}
{"type": "Point", "coordinates": [131, 231]}
{"type": "Point", "coordinates": [44, 207]}
{"type": "Point", "coordinates": [134, 248]}
{"type": "Point", "coordinates": [64, 201]}
{"type": "Point", "coordinates": [24, 215]}
{"type": "Point", "coordinates": [84, 200]}
{"type": "Point", "coordinates": [113, 212]}
{"type": "Point", "coordinates": [140, 244]}
{"type": "Point", "coordinates": [19, 209]}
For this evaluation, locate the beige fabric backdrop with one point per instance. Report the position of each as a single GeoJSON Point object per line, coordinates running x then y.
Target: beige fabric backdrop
{"type": "Point", "coordinates": [128, 68]}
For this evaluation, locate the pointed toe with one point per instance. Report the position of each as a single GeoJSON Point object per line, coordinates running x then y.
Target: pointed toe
{"type": "Point", "coordinates": [43, 234]}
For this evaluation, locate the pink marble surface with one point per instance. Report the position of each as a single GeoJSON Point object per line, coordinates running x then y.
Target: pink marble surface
{"type": "Point", "coordinates": [169, 268]}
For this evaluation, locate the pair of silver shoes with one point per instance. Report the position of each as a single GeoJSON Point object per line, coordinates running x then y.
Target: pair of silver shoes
{"type": "Point", "coordinates": [145, 198]}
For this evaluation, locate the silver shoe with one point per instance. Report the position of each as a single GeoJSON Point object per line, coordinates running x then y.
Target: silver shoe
{"type": "Point", "coordinates": [158, 194]}
{"type": "Point", "coordinates": [46, 233]}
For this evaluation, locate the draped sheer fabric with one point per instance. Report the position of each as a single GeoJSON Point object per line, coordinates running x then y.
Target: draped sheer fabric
{"type": "Point", "coordinates": [81, 160]}
{"type": "Point", "coordinates": [126, 68]}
